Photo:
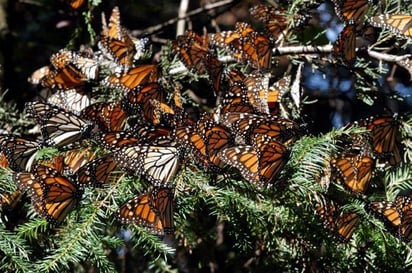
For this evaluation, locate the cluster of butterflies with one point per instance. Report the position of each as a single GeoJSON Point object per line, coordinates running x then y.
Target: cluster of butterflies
{"type": "Point", "coordinates": [149, 133]}
{"type": "Point", "coordinates": [353, 13]}
{"type": "Point", "coordinates": [354, 167]}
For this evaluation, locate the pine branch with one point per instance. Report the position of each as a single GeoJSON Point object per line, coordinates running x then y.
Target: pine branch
{"type": "Point", "coordinates": [14, 253]}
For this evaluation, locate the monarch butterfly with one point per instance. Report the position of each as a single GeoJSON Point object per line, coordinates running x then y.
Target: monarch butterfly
{"type": "Point", "coordinates": [260, 163]}
{"type": "Point", "coordinates": [153, 210]}
{"type": "Point", "coordinates": [351, 10]}
{"type": "Point", "coordinates": [157, 164]}
{"type": "Point", "coordinates": [19, 152]}
{"type": "Point", "coordinates": [97, 172]}
{"type": "Point", "coordinates": [116, 43]}
{"type": "Point", "coordinates": [53, 196]}
{"type": "Point", "coordinates": [205, 140]}
{"type": "Point", "coordinates": [142, 134]}
{"type": "Point", "coordinates": [70, 161]}
{"type": "Point", "coordinates": [276, 92]}
{"type": "Point", "coordinates": [245, 44]}
{"type": "Point", "coordinates": [69, 70]}
{"type": "Point", "coordinates": [400, 24]}
{"type": "Point", "coordinates": [257, 90]}
{"type": "Point", "coordinates": [134, 77]}
{"type": "Point", "coordinates": [76, 4]}
{"type": "Point", "coordinates": [65, 78]}
{"type": "Point", "coordinates": [345, 45]}
{"type": "Point", "coordinates": [245, 126]}
{"type": "Point", "coordinates": [139, 100]}
{"type": "Point", "coordinates": [113, 141]}
{"type": "Point", "coordinates": [397, 215]}
{"type": "Point", "coordinates": [109, 116]}
{"type": "Point", "coordinates": [77, 158]}
{"type": "Point", "coordinates": [217, 139]}
{"type": "Point", "coordinates": [253, 88]}
{"type": "Point", "coordinates": [237, 104]}
{"type": "Point", "coordinates": [150, 133]}
{"type": "Point", "coordinates": [89, 66]}
{"type": "Point", "coordinates": [384, 133]}
{"type": "Point", "coordinates": [341, 223]}
{"type": "Point", "coordinates": [355, 171]}
{"type": "Point", "coordinates": [195, 54]}
{"type": "Point", "coordinates": [69, 100]}
{"type": "Point", "coordinates": [58, 127]}
{"type": "Point", "coordinates": [9, 200]}
{"type": "Point", "coordinates": [273, 18]}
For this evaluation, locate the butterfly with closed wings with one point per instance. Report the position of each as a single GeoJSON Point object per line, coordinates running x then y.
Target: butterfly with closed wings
{"type": "Point", "coordinates": [58, 127]}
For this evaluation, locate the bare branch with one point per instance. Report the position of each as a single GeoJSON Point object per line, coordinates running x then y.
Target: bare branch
{"type": "Point", "coordinates": [303, 50]}
{"type": "Point", "coordinates": [387, 57]}
{"type": "Point", "coordinates": [180, 29]}
{"type": "Point", "coordinates": [156, 28]}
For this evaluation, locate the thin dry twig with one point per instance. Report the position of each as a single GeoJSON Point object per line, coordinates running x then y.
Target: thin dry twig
{"type": "Point", "coordinates": [157, 28]}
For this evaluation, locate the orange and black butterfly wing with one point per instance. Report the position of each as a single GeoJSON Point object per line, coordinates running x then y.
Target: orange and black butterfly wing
{"type": "Point", "coordinates": [8, 201]}
{"type": "Point", "coordinates": [138, 100]}
{"type": "Point", "coordinates": [140, 210]}
{"type": "Point", "coordinates": [389, 213]}
{"type": "Point", "coordinates": [346, 223]}
{"type": "Point", "coordinates": [193, 141]}
{"type": "Point", "coordinates": [64, 74]}
{"type": "Point", "coordinates": [217, 139]}
{"type": "Point", "coordinates": [272, 156]}
{"type": "Point", "coordinates": [345, 45]}
{"type": "Point", "coordinates": [355, 171]}
{"type": "Point", "coordinates": [53, 196]}
{"type": "Point", "coordinates": [384, 133]}
{"type": "Point", "coordinates": [134, 77]}
{"type": "Point", "coordinates": [97, 172]}
{"type": "Point", "coordinates": [273, 18]}
{"type": "Point", "coordinates": [400, 24]}
{"type": "Point", "coordinates": [341, 224]}
{"type": "Point", "coordinates": [113, 141]}
{"type": "Point", "coordinates": [404, 204]}
{"type": "Point", "coordinates": [109, 116]}
{"type": "Point", "coordinates": [19, 152]}
{"type": "Point", "coordinates": [327, 212]}
{"type": "Point", "coordinates": [243, 158]}
{"type": "Point", "coordinates": [192, 51]}
{"type": "Point", "coordinates": [351, 11]}
{"type": "Point", "coordinates": [116, 41]}
{"type": "Point", "coordinates": [162, 200]}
